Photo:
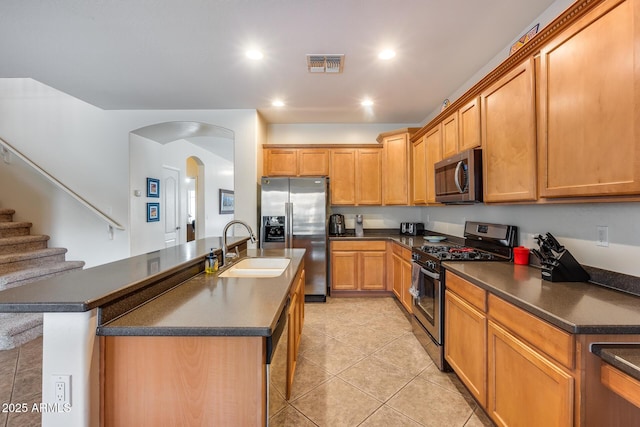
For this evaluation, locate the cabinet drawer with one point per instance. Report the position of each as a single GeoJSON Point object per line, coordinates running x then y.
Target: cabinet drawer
{"type": "Point", "coordinates": [401, 251]}
{"type": "Point", "coordinates": [471, 293]}
{"type": "Point", "coordinates": [620, 383]}
{"type": "Point", "coordinates": [360, 245]}
{"type": "Point", "coordinates": [556, 343]}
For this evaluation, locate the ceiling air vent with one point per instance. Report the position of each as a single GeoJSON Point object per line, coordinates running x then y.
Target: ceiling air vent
{"type": "Point", "coordinates": [325, 63]}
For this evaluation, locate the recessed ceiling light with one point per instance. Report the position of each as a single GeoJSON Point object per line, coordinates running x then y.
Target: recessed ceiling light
{"type": "Point", "coordinates": [387, 54]}
{"type": "Point", "coordinates": [277, 103]}
{"type": "Point", "coordinates": [366, 103]}
{"type": "Point", "coordinates": [254, 54]}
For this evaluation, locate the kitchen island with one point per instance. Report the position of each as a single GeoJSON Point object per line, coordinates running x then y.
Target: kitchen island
{"type": "Point", "coordinates": [159, 311]}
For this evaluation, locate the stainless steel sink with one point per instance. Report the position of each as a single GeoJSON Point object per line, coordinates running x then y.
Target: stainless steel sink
{"type": "Point", "coordinates": [257, 267]}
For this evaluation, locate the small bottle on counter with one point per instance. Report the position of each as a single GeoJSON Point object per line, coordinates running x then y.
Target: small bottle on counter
{"type": "Point", "coordinates": [211, 263]}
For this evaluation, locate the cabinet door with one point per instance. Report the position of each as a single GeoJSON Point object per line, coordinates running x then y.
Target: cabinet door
{"type": "Point", "coordinates": [450, 136]}
{"type": "Point", "coordinates": [343, 177]}
{"type": "Point", "coordinates": [396, 266]}
{"type": "Point", "coordinates": [368, 176]}
{"type": "Point", "coordinates": [407, 298]}
{"type": "Point", "coordinates": [279, 162]}
{"type": "Point", "coordinates": [524, 387]}
{"type": "Point", "coordinates": [466, 344]}
{"type": "Point", "coordinates": [313, 162]}
{"type": "Point", "coordinates": [372, 271]}
{"type": "Point", "coordinates": [344, 270]}
{"type": "Point", "coordinates": [395, 188]}
{"type": "Point", "coordinates": [292, 353]}
{"type": "Point", "coordinates": [509, 137]}
{"type": "Point", "coordinates": [469, 126]}
{"type": "Point", "coordinates": [590, 100]}
{"type": "Point", "coordinates": [433, 141]}
{"type": "Point", "coordinates": [419, 172]}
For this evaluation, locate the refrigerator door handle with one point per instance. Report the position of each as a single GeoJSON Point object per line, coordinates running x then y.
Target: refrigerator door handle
{"type": "Point", "coordinates": [287, 225]}
{"type": "Point", "coordinates": [290, 225]}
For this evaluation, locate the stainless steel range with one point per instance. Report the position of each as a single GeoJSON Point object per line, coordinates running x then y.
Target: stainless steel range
{"type": "Point", "coordinates": [482, 242]}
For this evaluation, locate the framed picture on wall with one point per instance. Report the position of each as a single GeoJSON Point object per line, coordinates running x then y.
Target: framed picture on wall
{"type": "Point", "coordinates": [153, 212]}
{"type": "Point", "coordinates": [153, 187]}
{"type": "Point", "coordinates": [227, 202]}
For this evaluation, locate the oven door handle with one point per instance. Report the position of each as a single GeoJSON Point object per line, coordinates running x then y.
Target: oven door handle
{"type": "Point", "coordinates": [435, 276]}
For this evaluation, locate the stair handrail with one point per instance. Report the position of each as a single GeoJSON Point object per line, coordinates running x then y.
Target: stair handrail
{"type": "Point", "coordinates": [8, 148]}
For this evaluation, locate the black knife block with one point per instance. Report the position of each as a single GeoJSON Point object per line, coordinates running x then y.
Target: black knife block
{"type": "Point", "coordinates": [564, 268]}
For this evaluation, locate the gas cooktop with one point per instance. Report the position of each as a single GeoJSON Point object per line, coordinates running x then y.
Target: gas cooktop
{"type": "Point", "coordinates": [456, 252]}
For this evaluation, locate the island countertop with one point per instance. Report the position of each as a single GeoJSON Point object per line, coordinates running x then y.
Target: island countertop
{"type": "Point", "coordinates": [208, 305]}
{"type": "Point", "coordinates": [84, 290]}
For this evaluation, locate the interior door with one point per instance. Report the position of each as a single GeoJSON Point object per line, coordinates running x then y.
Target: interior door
{"type": "Point", "coordinates": [171, 195]}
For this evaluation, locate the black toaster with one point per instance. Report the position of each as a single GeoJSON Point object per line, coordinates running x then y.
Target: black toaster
{"type": "Point", "coordinates": [412, 228]}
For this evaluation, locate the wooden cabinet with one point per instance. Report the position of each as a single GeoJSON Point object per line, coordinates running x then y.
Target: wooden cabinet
{"type": "Point", "coordinates": [358, 265]}
{"type": "Point", "coordinates": [280, 162]}
{"type": "Point", "coordinates": [295, 319]}
{"type": "Point", "coordinates": [469, 125]}
{"type": "Point", "coordinates": [401, 275]}
{"type": "Point", "coordinates": [356, 176]}
{"type": "Point", "coordinates": [466, 334]}
{"type": "Point", "coordinates": [525, 387]}
{"type": "Point", "coordinates": [395, 164]}
{"type": "Point", "coordinates": [296, 161]}
{"type": "Point", "coordinates": [509, 137]}
{"type": "Point", "coordinates": [419, 172]}
{"type": "Point", "coordinates": [589, 105]}
{"type": "Point", "coordinates": [450, 135]}
{"type": "Point", "coordinates": [530, 369]}
{"type": "Point", "coordinates": [313, 162]}
{"type": "Point", "coordinates": [433, 147]}
{"type": "Point", "coordinates": [520, 368]}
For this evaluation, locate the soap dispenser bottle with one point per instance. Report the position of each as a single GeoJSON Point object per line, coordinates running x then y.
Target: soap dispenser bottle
{"type": "Point", "coordinates": [211, 263]}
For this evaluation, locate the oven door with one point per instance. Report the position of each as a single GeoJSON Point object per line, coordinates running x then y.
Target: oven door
{"type": "Point", "coordinates": [427, 301]}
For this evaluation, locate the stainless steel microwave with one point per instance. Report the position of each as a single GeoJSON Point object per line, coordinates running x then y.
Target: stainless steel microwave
{"type": "Point", "coordinates": [458, 178]}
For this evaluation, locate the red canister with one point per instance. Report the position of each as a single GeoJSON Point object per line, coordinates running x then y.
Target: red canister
{"type": "Point", "coordinates": [521, 255]}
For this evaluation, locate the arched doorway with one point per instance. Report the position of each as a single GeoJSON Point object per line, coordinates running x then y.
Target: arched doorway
{"type": "Point", "coordinates": [159, 147]}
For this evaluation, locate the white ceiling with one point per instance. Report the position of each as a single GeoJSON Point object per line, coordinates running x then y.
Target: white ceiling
{"type": "Point", "coordinates": [189, 54]}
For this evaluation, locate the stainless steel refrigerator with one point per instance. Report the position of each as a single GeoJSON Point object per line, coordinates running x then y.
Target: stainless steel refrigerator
{"type": "Point", "coordinates": [293, 214]}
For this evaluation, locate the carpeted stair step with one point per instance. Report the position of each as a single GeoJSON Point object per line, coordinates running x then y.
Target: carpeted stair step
{"type": "Point", "coordinates": [19, 328]}
{"type": "Point", "coordinates": [12, 245]}
{"type": "Point", "coordinates": [28, 275]}
{"type": "Point", "coordinates": [6, 215]}
{"type": "Point", "coordinates": [11, 229]}
{"type": "Point", "coordinates": [36, 258]}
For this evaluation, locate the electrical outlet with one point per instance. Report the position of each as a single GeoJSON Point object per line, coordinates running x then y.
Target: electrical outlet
{"type": "Point", "coordinates": [603, 235]}
{"type": "Point", "coordinates": [62, 388]}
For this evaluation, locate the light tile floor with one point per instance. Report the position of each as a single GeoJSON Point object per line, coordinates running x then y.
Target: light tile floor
{"type": "Point", "coordinates": [359, 365]}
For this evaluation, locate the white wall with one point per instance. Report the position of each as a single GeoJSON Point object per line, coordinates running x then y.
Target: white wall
{"type": "Point", "coordinates": [88, 149]}
{"type": "Point", "coordinates": [327, 133]}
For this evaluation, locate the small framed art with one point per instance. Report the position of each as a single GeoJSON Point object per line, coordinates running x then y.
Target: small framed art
{"type": "Point", "coordinates": [153, 187]}
{"type": "Point", "coordinates": [227, 202]}
{"type": "Point", "coordinates": [153, 212]}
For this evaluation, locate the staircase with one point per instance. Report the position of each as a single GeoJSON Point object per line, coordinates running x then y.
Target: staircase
{"type": "Point", "coordinates": [25, 258]}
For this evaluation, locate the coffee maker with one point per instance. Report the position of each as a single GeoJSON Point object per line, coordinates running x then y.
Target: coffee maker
{"type": "Point", "coordinates": [336, 225]}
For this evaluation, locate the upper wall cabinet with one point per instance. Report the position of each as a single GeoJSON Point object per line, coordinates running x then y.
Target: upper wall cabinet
{"type": "Point", "coordinates": [450, 135]}
{"type": "Point", "coordinates": [469, 125]}
{"type": "Point", "coordinates": [355, 176]}
{"type": "Point", "coordinates": [419, 172]}
{"type": "Point", "coordinates": [590, 105]}
{"type": "Point", "coordinates": [433, 147]}
{"type": "Point", "coordinates": [509, 136]}
{"type": "Point", "coordinates": [296, 162]}
{"type": "Point", "coordinates": [395, 164]}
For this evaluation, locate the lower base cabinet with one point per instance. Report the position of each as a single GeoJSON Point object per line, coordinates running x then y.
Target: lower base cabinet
{"type": "Point", "coordinates": [358, 265]}
{"type": "Point", "coordinates": [295, 322]}
{"type": "Point", "coordinates": [401, 275]}
{"type": "Point", "coordinates": [525, 387]}
{"type": "Point", "coordinates": [518, 367]}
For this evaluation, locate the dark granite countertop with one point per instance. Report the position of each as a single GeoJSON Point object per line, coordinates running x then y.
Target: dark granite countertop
{"type": "Point", "coordinates": [208, 305]}
{"type": "Point", "coordinates": [393, 235]}
{"type": "Point", "coordinates": [576, 307]}
{"type": "Point", "coordinates": [83, 290]}
{"type": "Point", "coordinates": [625, 357]}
